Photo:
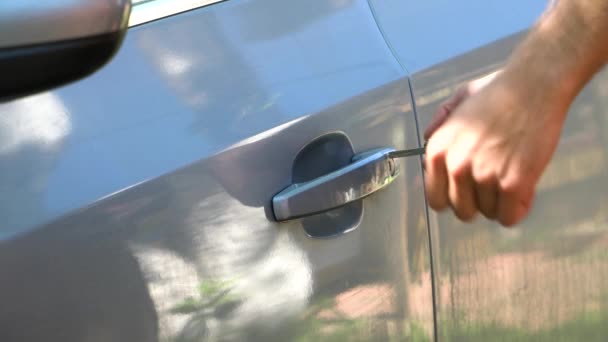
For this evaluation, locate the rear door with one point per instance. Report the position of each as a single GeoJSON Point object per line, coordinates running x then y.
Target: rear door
{"type": "Point", "coordinates": [136, 203]}
{"type": "Point", "coordinates": [547, 279]}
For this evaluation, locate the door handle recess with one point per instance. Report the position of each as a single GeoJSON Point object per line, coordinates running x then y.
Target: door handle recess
{"type": "Point", "coordinates": [368, 172]}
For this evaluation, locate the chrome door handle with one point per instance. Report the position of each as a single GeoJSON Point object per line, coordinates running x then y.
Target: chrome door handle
{"type": "Point", "coordinates": [367, 173]}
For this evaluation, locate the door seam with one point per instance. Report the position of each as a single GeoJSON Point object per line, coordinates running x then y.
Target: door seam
{"type": "Point", "coordinates": [428, 224]}
{"type": "Point", "coordinates": [417, 123]}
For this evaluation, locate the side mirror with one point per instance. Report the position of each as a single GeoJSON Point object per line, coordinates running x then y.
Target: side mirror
{"type": "Point", "coordinates": [44, 44]}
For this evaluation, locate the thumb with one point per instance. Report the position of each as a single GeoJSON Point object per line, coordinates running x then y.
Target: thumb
{"type": "Point", "coordinates": [445, 110]}
{"type": "Point", "coordinates": [462, 93]}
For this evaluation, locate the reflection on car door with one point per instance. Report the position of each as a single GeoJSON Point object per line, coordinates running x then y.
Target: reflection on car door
{"type": "Point", "coordinates": [148, 215]}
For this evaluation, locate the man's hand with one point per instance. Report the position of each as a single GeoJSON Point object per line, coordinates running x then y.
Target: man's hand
{"type": "Point", "coordinates": [488, 146]}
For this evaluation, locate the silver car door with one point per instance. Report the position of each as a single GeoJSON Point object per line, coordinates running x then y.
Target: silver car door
{"type": "Point", "coordinates": [136, 203]}
{"type": "Point", "coordinates": [547, 278]}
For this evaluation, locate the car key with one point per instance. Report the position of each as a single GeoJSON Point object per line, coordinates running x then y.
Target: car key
{"type": "Point", "coordinates": [407, 153]}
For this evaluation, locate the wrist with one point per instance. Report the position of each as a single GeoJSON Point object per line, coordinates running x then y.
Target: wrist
{"type": "Point", "coordinates": [553, 63]}
{"type": "Point", "coordinates": [541, 86]}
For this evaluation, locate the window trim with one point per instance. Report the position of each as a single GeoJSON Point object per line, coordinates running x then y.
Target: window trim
{"type": "Point", "coordinates": [148, 11]}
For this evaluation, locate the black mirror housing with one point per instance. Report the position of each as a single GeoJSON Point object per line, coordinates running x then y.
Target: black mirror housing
{"type": "Point", "coordinates": [49, 50]}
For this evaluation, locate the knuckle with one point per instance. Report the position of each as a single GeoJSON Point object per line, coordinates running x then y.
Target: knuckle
{"type": "Point", "coordinates": [437, 201]}
{"type": "Point", "coordinates": [507, 221]}
{"type": "Point", "coordinates": [459, 172]}
{"type": "Point", "coordinates": [514, 216]}
{"type": "Point", "coordinates": [514, 183]}
{"type": "Point", "coordinates": [438, 204]}
{"type": "Point", "coordinates": [518, 180]}
{"type": "Point", "coordinates": [465, 214]}
{"type": "Point", "coordinates": [483, 175]}
{"type": "Point", "coordinates": [435, 158]}
{"type": "Point", "coordinates": [436, 196]}
{"type": "Point", "coordinates": [485, 180]}
{"type": "Point", "coordinates": [458, 164]}
{"type": "Point", "coordinates": [464, 210]}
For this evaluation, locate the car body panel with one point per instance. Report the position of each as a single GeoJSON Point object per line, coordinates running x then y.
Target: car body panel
{"type": "Point", "coordinates": [425, 33]}
{"type": "Point", "coordinates": [135, 202]}
{"type": "Point", "coordinates": [547, 278]}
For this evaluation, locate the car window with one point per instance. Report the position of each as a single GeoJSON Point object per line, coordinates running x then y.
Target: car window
{"type": "Point", "coordinates": [136, 2]}
{"type": "Point", "coordinates": [149, 10]}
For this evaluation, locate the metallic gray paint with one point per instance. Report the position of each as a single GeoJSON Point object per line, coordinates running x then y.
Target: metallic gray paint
{"type": "Point", "coordinates": [29, 22]}
{"type": "Point", "coordinates": [133, 201]}
{"type": "Point", "coordinates": [369, 172]}
{"type": "Point", "coordinates": [425, 33]}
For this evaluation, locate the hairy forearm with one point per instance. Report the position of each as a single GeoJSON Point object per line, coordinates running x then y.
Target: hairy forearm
{"type": "Point", "coordinates": [563, 51]}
